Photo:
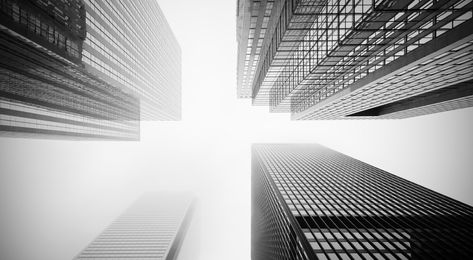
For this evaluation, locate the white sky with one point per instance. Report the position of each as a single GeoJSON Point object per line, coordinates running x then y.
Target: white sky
{"type": "Point", "coordinates": [56, 196]}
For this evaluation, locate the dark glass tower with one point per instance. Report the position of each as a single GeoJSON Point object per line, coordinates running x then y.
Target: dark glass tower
{"type": "Point", "coordinates": [154, 227]}
{"type": "Point", "coordinates": [328, 59]}
{"type": "Point", "coordinates": [310, 202]}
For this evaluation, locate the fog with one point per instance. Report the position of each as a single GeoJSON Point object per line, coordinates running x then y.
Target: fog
{"type": "Point", "coordinates": [56, 196]}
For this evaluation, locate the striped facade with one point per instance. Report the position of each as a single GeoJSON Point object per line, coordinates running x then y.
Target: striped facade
{"type": "Point", "coordinates": [86, 69]}
{"type": "Point", "coordinates": [44, 89]}
{"type": "Point", "coordinates": [131, 45]}
{"type": "Point", "coordinates": [153, 227]}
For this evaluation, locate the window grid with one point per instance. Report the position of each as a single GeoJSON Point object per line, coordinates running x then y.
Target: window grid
{"type": "Point", "coordinates": [317, 52]}
{"type": "Point", "coordinates": [346, 209]}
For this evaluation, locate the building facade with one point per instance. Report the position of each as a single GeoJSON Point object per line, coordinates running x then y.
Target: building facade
{"type": "Point", "coordinates": [86, 69]}
{"type": "Point", "coordinates": [327, 59]}
{"type": "Point", "coordinates": [154, 227]}
{"type": "Point", "coordinates": [252, 23]}
{"type": "Point", "coordinates": [310, 202]}
{"type": "Point", "coordinates": [44, 89]}
{"type": "Point", "coordinates": [131, 45]}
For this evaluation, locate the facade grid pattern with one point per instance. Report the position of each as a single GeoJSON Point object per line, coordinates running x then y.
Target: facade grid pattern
{"type": "Point", "coordinates": [44, 89]}
{"type": "Point", "coordinates": [341, 208]}
{"type": "Point", "coordinates": [131, 44]}
{"type": "Point", "coordinates": [152, 228]}
{"type": "Point", "coordinates": [86, 68]}
{"type": "Point", "coordinates": [252, 22]}
{"type": "Point", "coordinates": [317, 54]}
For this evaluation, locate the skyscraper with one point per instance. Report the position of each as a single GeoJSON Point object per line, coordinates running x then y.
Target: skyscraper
{"type": "Point", "coordinates": [86, 69]}
{"type": "Point", "coordinates": [252, 23]}
{"type": "Point", "coordinates": [130, 44]}
{"type": "Point", "coordinates": [154, 227]}
{"type": "Point", "coordinates": [44, 89]}
{"type": "Point", "coordinates": [326, 59]}
{"type": "Point", "coordinates": [310, 202]}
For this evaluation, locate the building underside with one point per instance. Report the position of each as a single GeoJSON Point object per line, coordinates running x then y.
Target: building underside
{"type": "Point", "coordinates": [324, 59]}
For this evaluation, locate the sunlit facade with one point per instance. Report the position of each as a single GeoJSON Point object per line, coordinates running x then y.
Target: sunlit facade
{"type": "Point", "coordinates": [154, 227]}
{"type": "Point", "coordinates": [310, 202]}
{"type": "Point", "coordinates": [326, 59]}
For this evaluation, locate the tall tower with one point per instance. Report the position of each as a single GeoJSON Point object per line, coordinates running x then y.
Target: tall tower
{"type": "Point", "coordinates": [86, 69]}
{"type": "Point", "coordinates": [44, 89]}
{"type": "Point", "coordinates": [310, 202]}
{"type": "Point", "coordinates": [154, 227]}
{"type": "Point", "coordinates": [131, 45]}
{"type": "Point", "coordinates": [252, 25]}
{"type": "Point", "coordinates": [327, 59]}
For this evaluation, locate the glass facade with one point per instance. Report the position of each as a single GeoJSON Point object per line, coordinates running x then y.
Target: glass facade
{"type": "Point", "coordinates": [130, 44]}
{"type": "Point", "coordinates": [86, 69]}
{"type": "Point", "coordinates": [310, 202]}
{"type": "Point", "coordinates": [44, 89]}
{"type": "Point", "coordinates": [252, 23]}
{"type": "Point", "coordinates": [152, 228]}
{"type": "Point", "coordinates": [327, 59]}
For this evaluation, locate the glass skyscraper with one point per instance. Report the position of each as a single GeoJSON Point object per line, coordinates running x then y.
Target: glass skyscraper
{"type": "Point", "coordinates": [252, 23]}
{"type": "Point", "coordinates": [86, 69]}
{"type": "Point", "coordinates": [327, 59]}
{"type": "Point", "coordinates": [44, 89]}
{"type": "Point", "coordinates": [154, 227]}
{"type": "Point", "coordinates": [310, 202]}
{"type": "Point", "coordinates": [130, 44]}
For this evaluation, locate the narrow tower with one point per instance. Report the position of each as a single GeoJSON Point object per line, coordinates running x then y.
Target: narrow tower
{"type": "Point", "coordinates": [154, 227]}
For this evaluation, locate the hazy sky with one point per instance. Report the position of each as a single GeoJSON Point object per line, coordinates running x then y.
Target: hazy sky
{"type": "Point", "coordinates": [56, 196]}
